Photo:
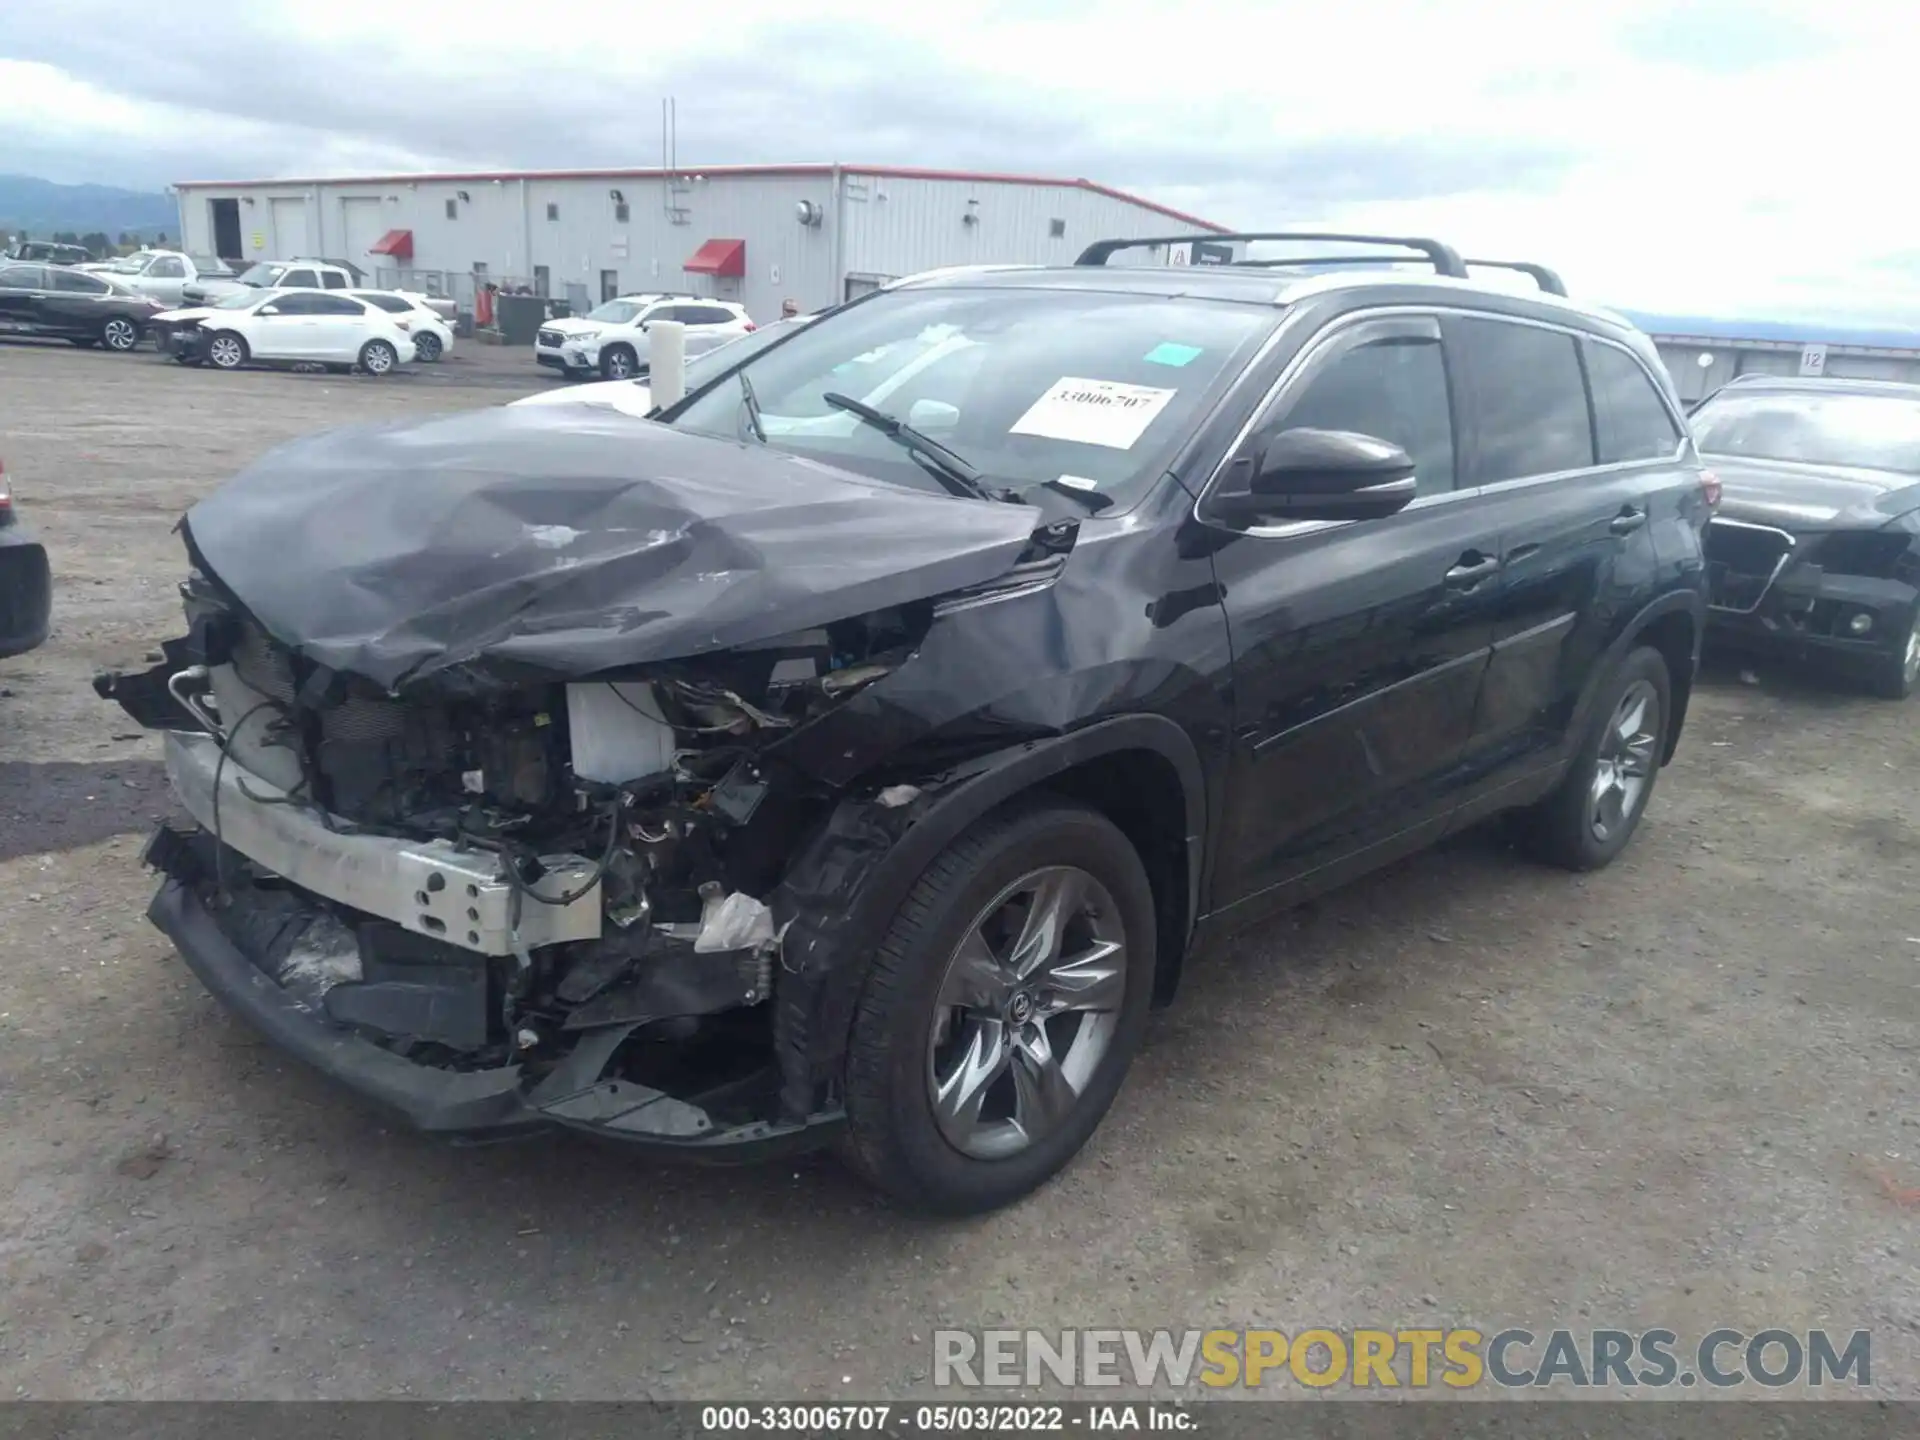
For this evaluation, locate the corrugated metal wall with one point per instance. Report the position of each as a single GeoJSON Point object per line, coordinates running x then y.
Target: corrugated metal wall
{"type": "Point", "coordinates": [892, 227]}
{"type": "Point", "coordinates": [1730, 358]}
{"type": "Point", "coordinates": [899, 226]}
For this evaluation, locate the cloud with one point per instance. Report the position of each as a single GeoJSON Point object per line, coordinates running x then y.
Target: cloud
{"type": "Point", "coordinates": [1723, 151]}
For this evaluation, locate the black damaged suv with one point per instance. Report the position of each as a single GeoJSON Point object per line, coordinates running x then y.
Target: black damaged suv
{"type": "Point", "coordinates": [856, 749]}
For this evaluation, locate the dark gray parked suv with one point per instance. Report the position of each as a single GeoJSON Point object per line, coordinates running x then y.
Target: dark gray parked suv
{"type": "Point", "coordinates": [855, 750]}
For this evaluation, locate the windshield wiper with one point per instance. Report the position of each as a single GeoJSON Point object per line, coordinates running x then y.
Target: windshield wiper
{"type": "Point", "coordinates": [751, 404]}
{"type": "Point", "coordinates": [948, 467]}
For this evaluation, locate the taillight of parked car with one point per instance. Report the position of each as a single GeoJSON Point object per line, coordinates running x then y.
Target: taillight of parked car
{"type": "Point", "coordinates": [1710, 487]}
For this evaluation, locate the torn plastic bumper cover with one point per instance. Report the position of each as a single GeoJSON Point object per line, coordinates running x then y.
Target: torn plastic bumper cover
{"type": "Point", "coordinates": [256, 958]}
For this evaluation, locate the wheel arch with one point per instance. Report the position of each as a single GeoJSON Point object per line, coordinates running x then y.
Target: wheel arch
{"type": "Point", "coordinates": [1674, 624]}
{"type": "Point", "coordinates": [843, 888]}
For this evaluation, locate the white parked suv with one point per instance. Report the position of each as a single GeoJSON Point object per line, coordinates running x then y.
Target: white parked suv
{"type": "Point", "coordinates": [612, 338]}
{"type": "Point", "coordinates": [314, 326]}
{"type": "Point", "coordinates": [432, 337]}
{"type": "Point", "coordinates": [635, 397]}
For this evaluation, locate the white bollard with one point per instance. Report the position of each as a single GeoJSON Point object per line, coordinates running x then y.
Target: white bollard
{"type": "Point", "coordinates": [666, 363]}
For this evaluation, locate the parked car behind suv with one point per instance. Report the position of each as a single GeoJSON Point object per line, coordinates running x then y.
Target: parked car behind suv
{"type": "Point", "coordinates": [163, 274]}
{"type": "Point", "coordinates": [275, 275]}
{"type": "Point", "coordinates": [1816, 549]}
{"type": "Point", "coordinates": [779, 771]}
{"type": "Point", "coordinates": [56, 302]}
{"type": "Point", "coordinates": [48, 252]}
{"type": "Point", "coordinates": [612, 338]}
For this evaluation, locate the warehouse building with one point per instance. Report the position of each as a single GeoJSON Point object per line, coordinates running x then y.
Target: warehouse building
{"type": "Point", "coordinates": [756, 234]}
{"type": "Point", "coordinates": [1703, 354]}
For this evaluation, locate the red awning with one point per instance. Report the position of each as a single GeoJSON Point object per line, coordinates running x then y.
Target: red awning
{"type": "Point", "coordinates": [397, 243]}
{"type": "Point", "coordinates": [719, 257]}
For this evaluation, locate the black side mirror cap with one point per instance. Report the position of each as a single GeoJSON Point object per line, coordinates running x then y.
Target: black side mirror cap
{"type": "Point", "coordinates": [1309, 474]}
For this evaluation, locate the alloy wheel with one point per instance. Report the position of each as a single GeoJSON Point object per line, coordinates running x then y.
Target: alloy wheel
{"type": "Point", "coordinates": [1626, 761]}
{"type": "Point", "coordinates": [1910, 664]}
{"type": "Point", "coordinates": [120, 335]}
{"type": "Point", "coordinates": [428, 347]}
{"type": "Point", "coordinates": [1028, 1008]}
{"type": "Point", "coordinates": [377, 359]}
{"type": "Point", "coordinates": [619, 365]}
{"type": "Point", "coordinates": [225, 352]}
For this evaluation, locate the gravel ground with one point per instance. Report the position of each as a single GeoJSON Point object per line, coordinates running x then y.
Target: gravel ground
{"type": "Point", "coordinates": [1467, 1091]}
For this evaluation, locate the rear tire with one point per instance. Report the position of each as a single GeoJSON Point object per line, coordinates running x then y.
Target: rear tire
{"type": "Point", "coordinates": [1591, 816]}
{"type": "Point", "coordinates": [1041, 1061]}
{"type": "Point", "coordinates": [377, 357]}
{"type": "Point", "coordinates": [426, 347]}
{"type": "Point", "coordinates": [1896, 676]}
{"type": "Point", "coordinates": [226, 350]}
{"type": "Point", "coordinates": [618, 362]}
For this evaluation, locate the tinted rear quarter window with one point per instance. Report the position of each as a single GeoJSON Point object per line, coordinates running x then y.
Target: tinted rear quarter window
{"type": "Point", "coordinates": [1527, 397]}
{"type": "Point", "coordinates": [1630, 419]}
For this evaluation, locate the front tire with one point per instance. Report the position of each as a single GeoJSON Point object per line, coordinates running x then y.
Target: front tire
{"type": "Point", "coordinates": [377, 357]}
{"type": "Point", "coordinates": [426, 347]}
{"type": "Point", "coordinates": [120, 336]}
{"type": "Point", "coordinates": [1589, 819]}
{"type": "Point", "coordinates": [618, 362]}
{"type": "Point", "coordinates": [226, 351]}
{"type": "Point", "coordinates": [1002, 1010]}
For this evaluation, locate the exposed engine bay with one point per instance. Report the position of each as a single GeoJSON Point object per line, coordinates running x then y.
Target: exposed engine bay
{"type": "Point", "coordinates": [562, 861]}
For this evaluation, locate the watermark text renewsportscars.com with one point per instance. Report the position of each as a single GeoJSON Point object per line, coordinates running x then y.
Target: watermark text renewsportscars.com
{"type": "Point", "coordinates": [1725, 1359]}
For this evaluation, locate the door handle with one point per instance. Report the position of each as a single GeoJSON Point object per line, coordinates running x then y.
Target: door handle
{"type": "Point", "coordinates": [1473, 569]}
{"type": "Point", "coordinates": [1627, 521]}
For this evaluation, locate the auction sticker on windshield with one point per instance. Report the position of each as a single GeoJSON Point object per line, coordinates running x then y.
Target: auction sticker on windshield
{"type": "Point", "coordinates": [1094, 412]}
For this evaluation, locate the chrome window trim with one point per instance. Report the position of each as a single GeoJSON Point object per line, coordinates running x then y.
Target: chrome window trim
{"type": "Point", "coordinates": [1312, 352]}
{"type": "Point", "coordinates": [1779, 566]}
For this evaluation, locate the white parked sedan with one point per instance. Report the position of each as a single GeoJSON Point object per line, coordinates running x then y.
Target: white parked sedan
{"type": "Point", "coordinates": [325, 327]}
{"type": "Point", "coordinates": [432, 337]}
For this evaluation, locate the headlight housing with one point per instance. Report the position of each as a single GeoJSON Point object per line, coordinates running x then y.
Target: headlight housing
{"type": "Point", "coordinates": [581, 336]}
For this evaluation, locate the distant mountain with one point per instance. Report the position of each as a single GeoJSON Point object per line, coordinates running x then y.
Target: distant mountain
{"type": "Point", "coordinates": [41, 207]}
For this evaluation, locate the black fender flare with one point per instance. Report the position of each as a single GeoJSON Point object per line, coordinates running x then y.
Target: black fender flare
{"type": "Point", "coordinates": [844, 886]}
{"type": "Point", "coordinates": [1689, 602]}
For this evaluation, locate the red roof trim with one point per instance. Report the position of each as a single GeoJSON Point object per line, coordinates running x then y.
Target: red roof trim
{"type": "Point", "coordinates": [886, 172]}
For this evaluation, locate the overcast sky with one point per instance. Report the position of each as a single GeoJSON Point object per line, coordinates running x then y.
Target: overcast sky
{"type": "Point", "coordinates": [1731, 156]}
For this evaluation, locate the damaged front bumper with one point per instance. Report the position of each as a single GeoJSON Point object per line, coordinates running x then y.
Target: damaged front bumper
{"type": "Point", "coordinates": [247, 950]}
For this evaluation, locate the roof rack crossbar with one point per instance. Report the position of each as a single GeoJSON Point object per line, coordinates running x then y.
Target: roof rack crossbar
{"type": "Point", "coordinates": [1546, 279]}
{"type": "Point", "coordinates": [1444, 258]}
{"type": "Point", "coordinates": [1330, 260]}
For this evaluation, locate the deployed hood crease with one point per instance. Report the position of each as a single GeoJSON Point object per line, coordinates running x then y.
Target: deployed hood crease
{"type": "Point", "coordinates": [521, 544]}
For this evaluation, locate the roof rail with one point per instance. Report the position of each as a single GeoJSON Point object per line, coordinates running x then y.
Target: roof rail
{"type": "Point", "coordinates": [1444, 258]}
{"type": "Point", "coordinates": [1546, 279]}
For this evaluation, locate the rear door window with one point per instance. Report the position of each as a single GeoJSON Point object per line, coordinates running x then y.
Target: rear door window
{"type": "Point", "coordinates": [294, 279]}
{"type": "Point", "coordinates": [1631, 421]}
{"type": "Point", "coordinates": [22, 277]}
{"type": "Point", "coordinates": [1527, 397]}
{"type": "Point", "coordinates": [333, 280]}
{"type": "Point", "coordinates": [297, 303]}
{"type": "Point", "coordinates": [325, 304]}
{"type": "Point", "coordinates": [79, 282]}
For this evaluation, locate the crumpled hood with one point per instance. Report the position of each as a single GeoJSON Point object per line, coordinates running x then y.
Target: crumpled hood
{"type": "Point", "coordinates": [528, 543]}
{"type": "Point", "coordinates": [1810, 497]}
{"type": "Point", "coordinates": [185, 315]}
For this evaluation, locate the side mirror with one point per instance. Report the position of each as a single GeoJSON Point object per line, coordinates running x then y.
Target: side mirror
{"type": "Point", "coordinates": [268, 310]}
{"type": "Point", "coordinates": [1307, 474]}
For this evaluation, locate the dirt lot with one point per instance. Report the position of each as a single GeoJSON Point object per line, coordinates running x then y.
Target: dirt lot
{"type": "Point", "coordinates": [1468, 1091]}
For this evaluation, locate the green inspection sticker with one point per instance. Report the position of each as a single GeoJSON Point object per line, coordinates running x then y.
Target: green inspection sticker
{"type": "Point", "coordinates": [1169, 353]}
